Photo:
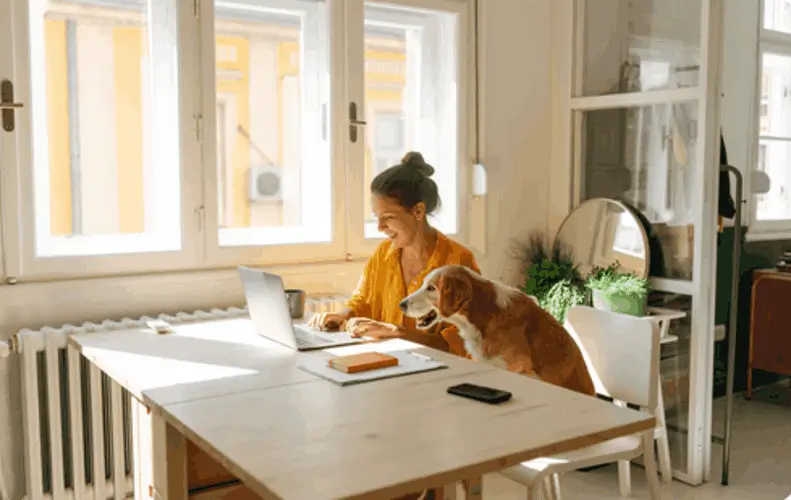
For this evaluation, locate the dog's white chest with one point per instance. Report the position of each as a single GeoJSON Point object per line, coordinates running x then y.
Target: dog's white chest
{"type": "Point", "coordinates": [473, 342]}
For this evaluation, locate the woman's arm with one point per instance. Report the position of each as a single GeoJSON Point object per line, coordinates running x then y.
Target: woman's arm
{"type": "Point", "coordinates": [346, 313]}
{"type": "Point", "coordinates": [359, 303]}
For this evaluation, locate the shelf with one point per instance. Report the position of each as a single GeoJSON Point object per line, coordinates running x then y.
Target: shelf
{"type": "Point", "coordinates": [663, 317]}
{"type": "Point", "coordinates": [663, 313]}
{"type": "Point", "coordinates": [671, 285]}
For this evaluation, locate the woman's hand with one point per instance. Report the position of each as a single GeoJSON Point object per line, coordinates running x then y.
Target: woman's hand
{"type": "Point", "coordinates": [365, 327]}
{"type": "Point", "coordinates": [327, 321]}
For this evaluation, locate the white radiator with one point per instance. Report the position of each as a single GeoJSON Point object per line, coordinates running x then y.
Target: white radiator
{"type": "Point", "coordinates": [64, 398]}
{"type": "Point", "coordinates": [324, 303]}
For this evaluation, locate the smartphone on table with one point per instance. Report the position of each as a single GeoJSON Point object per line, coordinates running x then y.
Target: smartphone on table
{"type": "Point", "coordinates": [480, 393]}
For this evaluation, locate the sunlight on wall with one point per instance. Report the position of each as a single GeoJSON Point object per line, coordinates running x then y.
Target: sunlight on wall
{"type": "Point", "coordinates": [128, 46]}
{"type": "Point", "coordinates": [58, 128]}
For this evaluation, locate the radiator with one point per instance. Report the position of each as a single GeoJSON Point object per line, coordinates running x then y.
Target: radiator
{"type": "Point", "coordinates": [324, 303]}
{"type": "Point", "coordinates": [77, 423]}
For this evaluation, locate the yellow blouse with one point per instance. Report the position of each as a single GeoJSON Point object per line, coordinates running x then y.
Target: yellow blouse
{"type": "Point", "coordinates": [382, 287]}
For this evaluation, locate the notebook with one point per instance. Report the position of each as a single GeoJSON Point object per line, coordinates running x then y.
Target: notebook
{"type": "Point", "coordinates": [408, 364]}
{"type": "Point", "coordinates": [362, 362]}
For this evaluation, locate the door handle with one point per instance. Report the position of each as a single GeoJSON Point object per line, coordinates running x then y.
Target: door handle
{"type": "Point", "coordinates": [8, 106]}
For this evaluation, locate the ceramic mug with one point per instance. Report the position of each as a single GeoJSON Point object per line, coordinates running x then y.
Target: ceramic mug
{"type": "Point", "coordinates": [296, 303]}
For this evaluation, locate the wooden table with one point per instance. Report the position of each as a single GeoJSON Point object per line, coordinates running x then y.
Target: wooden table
{"type": "Point", "coordinates": [289, 435]}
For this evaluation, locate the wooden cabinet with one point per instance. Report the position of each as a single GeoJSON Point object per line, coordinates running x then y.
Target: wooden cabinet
{"type": "Point", "coordinates": [770, 325]}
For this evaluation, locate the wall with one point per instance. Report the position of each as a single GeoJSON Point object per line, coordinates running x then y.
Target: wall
{"type": "Point", "coordinates": [516, 99]}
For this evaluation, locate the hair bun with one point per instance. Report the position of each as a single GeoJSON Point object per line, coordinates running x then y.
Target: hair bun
{"type": "Point", "coordinates": [415, 160]}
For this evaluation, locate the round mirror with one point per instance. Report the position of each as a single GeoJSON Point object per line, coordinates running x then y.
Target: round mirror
{"type": "Point", "coordinates": [601, 232]}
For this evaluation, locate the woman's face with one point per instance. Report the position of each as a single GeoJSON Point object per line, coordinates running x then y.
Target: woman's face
{"type": "Point", "coordinates": [399, 224]}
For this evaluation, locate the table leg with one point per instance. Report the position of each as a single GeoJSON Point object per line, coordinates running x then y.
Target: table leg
{"type": "Point", "coordinates": [749, 393]}
{"type": "Point", "coordinates": [473, 488]}
{"type": "Point", "coordinates": [662, 439]}
{"type": "Point", "coordinates": [142, 452]}
{"type": "Point", "coordinates": [448, 492]}
{"type": "Point", "coordinates": [169, 460]}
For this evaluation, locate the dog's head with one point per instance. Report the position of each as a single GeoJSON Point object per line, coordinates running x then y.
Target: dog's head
{"type": "Point", "coordinates": [445, 291]}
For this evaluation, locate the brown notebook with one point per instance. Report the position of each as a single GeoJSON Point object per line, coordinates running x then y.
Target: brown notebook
{"type": "Point", "coordinates": [363, 362]}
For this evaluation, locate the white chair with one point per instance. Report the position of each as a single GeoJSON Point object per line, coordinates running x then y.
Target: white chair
{"type": "Point", "coordinates": [622, 353]}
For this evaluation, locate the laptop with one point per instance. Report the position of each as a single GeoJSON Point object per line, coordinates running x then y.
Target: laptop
{"type": "Point", "coordinates": [268, 308]}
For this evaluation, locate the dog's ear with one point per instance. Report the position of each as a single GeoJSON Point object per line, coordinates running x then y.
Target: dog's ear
{"type": "Point", "coordinates": [455, 293]}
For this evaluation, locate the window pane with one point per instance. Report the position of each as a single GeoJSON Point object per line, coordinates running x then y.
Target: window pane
{"type": "Point", "coordinates": [411, 99]}
{"type": "Point", "coordinates": [646, 157]}
{"type": "Point", "coordinates": [774, 158]}
{"type": "Point", "coordinates": [273, 163]}
{"type": "Point", "coordinates": [106, 166]}
{"type": "Point", "coordinates": [775, 104]}
{"type": "Point", "coordinates": [777, 15]}
{"type": "Point", "coordinates": [675, 368]}
{"type": "Point", "coordinates": [640, 46]}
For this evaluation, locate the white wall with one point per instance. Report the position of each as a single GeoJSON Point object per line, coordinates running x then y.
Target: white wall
{"type": "Point", "coordinates": [739, 81]}
{"type": "Point", "coordinates": [516, 100]}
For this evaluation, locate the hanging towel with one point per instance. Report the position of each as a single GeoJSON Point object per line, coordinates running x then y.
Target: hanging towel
{"type": "Point", "coordinates": [727, 207]}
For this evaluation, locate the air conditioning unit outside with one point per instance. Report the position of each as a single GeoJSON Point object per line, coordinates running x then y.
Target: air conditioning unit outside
{"type": "Point", "coordinates": [265, 183]}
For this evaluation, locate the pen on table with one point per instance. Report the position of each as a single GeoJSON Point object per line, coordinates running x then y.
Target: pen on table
{"type": "Point", "coordinates": [421, 357]}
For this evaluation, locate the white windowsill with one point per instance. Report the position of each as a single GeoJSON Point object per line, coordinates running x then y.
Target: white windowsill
{"type": "Point", "coordinates": [269, 236]}
{"type": "Point", "coordinates": [78, 300]}
{"type": "Point", "coordinates": [107, 244]}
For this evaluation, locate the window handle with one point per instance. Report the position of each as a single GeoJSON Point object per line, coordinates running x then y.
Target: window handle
{"type": "Point", "coordinates": [353, 115]}
{"type": "Point", "coordinates": [354, 122]}
{"type": "Point", "coordinates": [8, 106]}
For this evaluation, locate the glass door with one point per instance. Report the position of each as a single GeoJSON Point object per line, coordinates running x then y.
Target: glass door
{"type": "Point", "coordinates": [645, 130]}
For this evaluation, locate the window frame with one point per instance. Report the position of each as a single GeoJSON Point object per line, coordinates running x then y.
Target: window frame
{"type": "Point", "coordinates": [778, 43]}
{"type": "Point", "coordinates": [358, 245]}
{"type": "Point", "coordinates": [18, 187]}
{"type": "Point", "coordinates": [216, 255]}
{"type": "Point", "coordinates": [195, 32]}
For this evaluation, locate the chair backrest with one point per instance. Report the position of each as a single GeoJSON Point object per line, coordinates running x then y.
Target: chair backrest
{"type": "Point", "coordinates": [621, 351]}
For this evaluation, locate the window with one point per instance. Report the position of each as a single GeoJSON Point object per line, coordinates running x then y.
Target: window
{"type": "Point", "coordinates": [414, 83]}
{"type": "Point", "coordinates": [98, 187]}
{"type": "Point", "coordinates": [163, 138]}
{"type": "Point", "coordinates": [771, 212]}
{"type": "Point", "coordinates": [777, 16]}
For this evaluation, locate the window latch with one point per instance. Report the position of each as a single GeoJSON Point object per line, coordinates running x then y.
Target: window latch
{"type": "Point", "coordinates": [354, 122]}
{"type": "Point", "coordinates": [8, 106]}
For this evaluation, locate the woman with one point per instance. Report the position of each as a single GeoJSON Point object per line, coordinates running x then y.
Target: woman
{"type": "Point", "coordinates": [403, 196]}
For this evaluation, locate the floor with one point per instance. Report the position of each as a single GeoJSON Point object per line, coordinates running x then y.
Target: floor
{"type": "Point", "coordinates": [760, 460]}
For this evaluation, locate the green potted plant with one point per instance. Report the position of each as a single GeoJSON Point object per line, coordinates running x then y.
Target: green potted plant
{"type": "Point", "coordinates": [562, 296]}
{"type": "Point", "coordinates": [618, 291]}
{"type": "Point", "coordinates": [551, 275]}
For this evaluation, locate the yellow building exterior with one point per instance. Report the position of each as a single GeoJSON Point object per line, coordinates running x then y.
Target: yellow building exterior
{"type": "Point", "coordinates": [233, 57]}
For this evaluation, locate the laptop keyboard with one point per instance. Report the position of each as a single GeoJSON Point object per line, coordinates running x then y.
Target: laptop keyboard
{"type": "Point", "coordinates": [306, 339]}
{"type": "Point", "coordinates": [303, 342]}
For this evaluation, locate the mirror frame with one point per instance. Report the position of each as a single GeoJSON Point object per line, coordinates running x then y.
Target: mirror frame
{"type": "Point", "coordinates": [633, 212]}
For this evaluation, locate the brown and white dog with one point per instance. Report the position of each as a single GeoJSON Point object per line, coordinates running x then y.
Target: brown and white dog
{"type": "Point", "coordinates": [501, 325]}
